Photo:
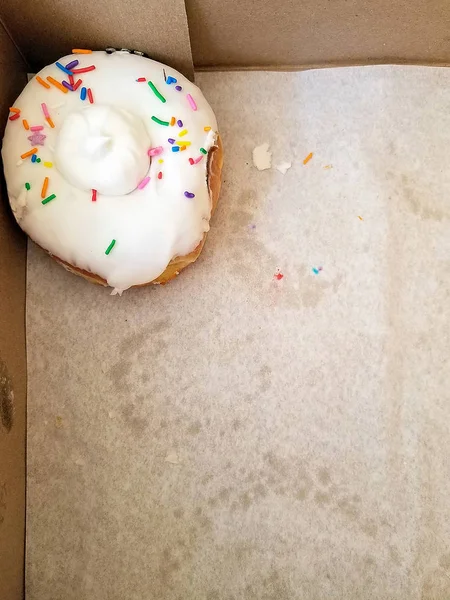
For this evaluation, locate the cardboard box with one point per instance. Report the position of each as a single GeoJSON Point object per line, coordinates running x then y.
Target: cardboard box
{"type": "Point", "coordinates": [266, 35]}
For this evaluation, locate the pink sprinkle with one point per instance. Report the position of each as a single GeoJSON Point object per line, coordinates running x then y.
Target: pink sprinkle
{"type": "Point", "coordinates": [191, 101]}
{"type": "Point", "coordinates": [45, 110]}
{"type": "Point", "coordinates": [197, 160]}
{"type": "Point", "coordinates": [36, 128]}
{"type": "Point", "coordinates": [143, 183]}
{"type": "Point", "coordinates": [155, 151]}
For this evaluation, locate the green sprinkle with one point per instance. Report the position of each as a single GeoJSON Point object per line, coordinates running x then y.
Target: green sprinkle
{"type": "Point", "coordinates": [110, 247]}
{"type": "Point", "coordinates": [166, 123]}
{"type": "Point", "coordinates": [49, 199]}
{"type": "Point", "coordinates": [203, 150]}
{"type": "Point", "coordinates": [155, 91]}
{"type": "Point", "coordinates": [38, 160]}
{"type": "Point", "coordinates": [27, 186]}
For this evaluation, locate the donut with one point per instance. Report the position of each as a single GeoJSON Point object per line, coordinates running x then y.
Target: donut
{"type": "Point", "coordinates": [112, 164]}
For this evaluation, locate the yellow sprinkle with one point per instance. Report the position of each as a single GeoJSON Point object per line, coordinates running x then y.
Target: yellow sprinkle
{"type": "Point", "coordinates": [183, 143]}
{"type": "Point", "coordinates": [184, 132]}
{"type": "Point", "coordinates": [207, 128]}
{"type": "Point", "coordinates": [160, 160]}
{"type": "Point", "coordinates": [360, 218]}
{"type": "Point", "coordinates": [328, 167]}
{"type": "Point", "coordinates": [49, 165]}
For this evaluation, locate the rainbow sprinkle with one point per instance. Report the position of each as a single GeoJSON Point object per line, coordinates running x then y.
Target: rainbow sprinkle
{"type": "Point", "coordinates": [27, 186]}
{"type": "Point", "coordinates": [165, 123]}
{"type": "Point", "coordinates": [189, 195]}
{"type": "Point", "coordinates": [83, 70]}
{"type": "Point", "coordinates": [170, 80]}
{"type": "Point", "coordinates": [197, 160]}
{"type": "Point", "coordinates": [206, 128]}
{"type": "Point", "coordinates": [83, 93]}
{"type": "Point", "coordinates": [155, 151]}
{"type": "Point", "coordinates": [203, 151]}
{"type": "Point", "coordinates": [175, 148]}
{"type": "Point", "coordinates": [178, 88]}
{"type": "Point", "coordinates": [44, 188]}
{"type": "Point", "coordinates": [90, 96]}
{"type": "Point", "coordinates": [49, 199]}
{"type": "Point", "coordinates": [68, 86]}
{"type": "Point", "coordinates": [29, 153]}
{"type": "Point", "coordinates": [47, 164]}
{"type": "Point", "coordinates": [72, 64]}
{"type": "Point", "coordinates": [94, 196]}
{"type": "Point", "coordinates": [184, 132]}
{"type": "Point", "coordinates": [160, 175]}
{"type": "Point", "coordinates": [34, 158]}
{"type": "Point", "coordinates": [140, 79]}
{"type": "Point", "coordinates": [57, 85]}
{"type": "Point", "coordinates": [172, 121]}
{"type": "Point", "coordinates": [37, 128]}
{"type": "Point", "coordinates": [63, 68]}
{"type": "Point", "coordinates": [156, 92]}
{"type": "Point", "coordinates": [308, 158]}
{"type": "Point", "coordinates": [143, 183]}
{"type": "Point", "coordinates": [110, 247]}
{"type": "Point", "coordinates": [81, 51]}
{"type": "Point", "coordinates": [191, 102]}
{"type": "Point", "coordinates": [171, 141]}
{"type": "Point", "coordinates": [42, 82]}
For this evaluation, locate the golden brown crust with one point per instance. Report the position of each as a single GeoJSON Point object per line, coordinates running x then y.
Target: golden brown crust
{"type": "Point", "coordinates": [215, 163]}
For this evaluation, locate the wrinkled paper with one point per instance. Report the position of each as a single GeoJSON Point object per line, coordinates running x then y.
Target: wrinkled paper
{"type": "Point", "coordinates": [274, 424]}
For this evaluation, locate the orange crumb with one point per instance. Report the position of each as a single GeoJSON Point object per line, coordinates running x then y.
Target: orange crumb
{"type": "Point", "coordinates": [308, 158]}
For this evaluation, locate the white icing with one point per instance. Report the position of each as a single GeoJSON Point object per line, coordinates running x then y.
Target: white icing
{"type": "Point", "coordinates": [283, 167]}
{"type": "Point", "coordinates": [104, 146]}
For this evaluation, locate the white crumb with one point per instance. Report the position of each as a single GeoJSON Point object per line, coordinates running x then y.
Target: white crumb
{"type": "Point", "coordinates": [283, 167]}
{"type": "Point", "coordinates": [262, 158]}
{"type": "Point", "coordinates": [172, 458]}
{"type": "Point", "coordinates": [116, 292]}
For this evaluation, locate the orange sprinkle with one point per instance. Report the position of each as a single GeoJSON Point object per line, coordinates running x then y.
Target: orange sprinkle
{"type": "Point", "coordinates": [25, 124]}
{"type": "Point", "coordinates": [44, 188]}
{"type": "Point", "coordinates": [14, 110]}
{"type": "Point", "coordinates": [42, 82]}
{"type": "Point", "coordinates": [50, 122]}
{"type": "Point", "coordinates": [81, 51]}
{"type": "Point", "coordinates": [183, 148]}
{"type": "Point", "coordinates": [206, 128]}
{"type": "Point", "coordinates": [308, 158]}
{"type": "Point", "coordinates": [29, 153]}
{"type": "Point", "coordinates": [57, 84]}
{"type": "Point", "coordinates": [172, 121]}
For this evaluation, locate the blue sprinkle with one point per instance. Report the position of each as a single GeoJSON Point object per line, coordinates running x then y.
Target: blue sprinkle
{"type": "Point", "coordinates": [33, 158]}
{"type": "Point", "coordinates": [63, 68]}
{"type": "Point", "coordinates": [175, 148]}
{"type": "Point", "coordinates": [170, 80]}
{"type": "Point", "coordinates": [316, 271]}
{"type": "Point", "coordinates": [83, 93]}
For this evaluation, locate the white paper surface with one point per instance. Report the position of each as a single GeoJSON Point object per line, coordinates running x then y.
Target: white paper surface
{"type": "Point", "coordinates": [236, 435]}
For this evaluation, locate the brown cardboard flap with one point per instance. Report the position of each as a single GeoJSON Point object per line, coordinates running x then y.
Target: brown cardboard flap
{"type": "Point", "coordinates": [283, 33]}
{"type": "Point", "coordinates": [47, 30]}
{"type": "Point", "coordinates": [12, 357]}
